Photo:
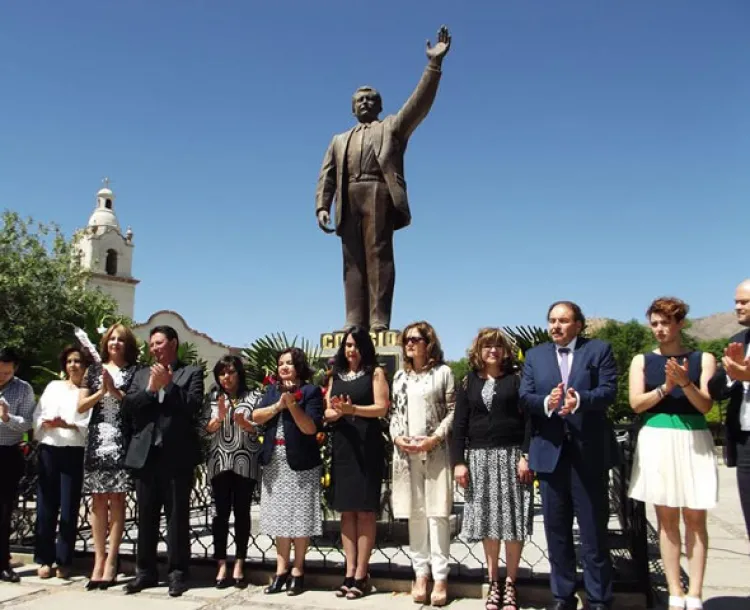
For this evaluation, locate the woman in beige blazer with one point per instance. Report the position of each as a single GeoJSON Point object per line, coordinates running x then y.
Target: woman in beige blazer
{"type": "Point", "coordinates": [421, 419]}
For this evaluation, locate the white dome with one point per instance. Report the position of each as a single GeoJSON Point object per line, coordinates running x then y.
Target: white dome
{"type": "Point", "coordinates": [103, 217]}
{"type": "Point", "coordinates": [105, 192]}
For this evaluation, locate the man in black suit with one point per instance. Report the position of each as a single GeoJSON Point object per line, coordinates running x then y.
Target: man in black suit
{"type": "Point", "coordinates": [732, 381]}
{"type": "Point", "coordinates": [162, 406]}
{"type": "Point", "coordinates": [566, 388]}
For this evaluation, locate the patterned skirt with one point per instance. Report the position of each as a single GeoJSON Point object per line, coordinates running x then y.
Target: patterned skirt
{"type": "Point", "coordinates": [289, 499]}
{"type": "Point", "coordinates": [112, 481]}
{"type": "Point", "coordinates": [497, 505]}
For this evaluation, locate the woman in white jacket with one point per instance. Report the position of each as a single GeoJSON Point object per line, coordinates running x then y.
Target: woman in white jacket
{"type": "Point", "coordinates": [423, 402]}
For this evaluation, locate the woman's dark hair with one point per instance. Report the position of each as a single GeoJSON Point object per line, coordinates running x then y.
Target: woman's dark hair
{"type": "Point", "coordinates": [69, 349]}
{"type": "Point", "coordinates": [366, 349]}
{"type": "Point", "coordinates": [234, 362]}
{"type": "Point", "coordinates": [299, 360]}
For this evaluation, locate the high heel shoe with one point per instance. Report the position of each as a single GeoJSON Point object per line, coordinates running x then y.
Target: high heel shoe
{"type": "Point", "coordinates": [279, 582]}
{"type": "Point", "coordinates": [419, 590]}
{"type": "Point", "coordinates": [296, 585]}
{"type": "Point", "coordinates": [93, 585]}
{"type": "Point", "coordinates": [106, 584]}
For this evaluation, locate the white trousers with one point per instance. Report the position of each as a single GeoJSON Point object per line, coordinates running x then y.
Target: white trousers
{"type": "Point", "coordinates": [429, 537]}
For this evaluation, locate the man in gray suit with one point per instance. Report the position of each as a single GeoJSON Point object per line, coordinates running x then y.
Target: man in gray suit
{"type": "Point", "coordinates": [363, 169]}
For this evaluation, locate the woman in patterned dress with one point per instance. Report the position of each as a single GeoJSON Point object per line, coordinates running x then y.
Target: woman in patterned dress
{"type": "Point", "coordinates": [292, 412]}
{"type": "Point", "coordinates": [490, 443]}
{"type": "Point", "coordinates": [357, 399]}
{"type": "Point", "coordinates": [233, 466]}
{"type": "Point", "coordinates": [105, 476]}
{"type": "Point", "coordinates": [422, 489]}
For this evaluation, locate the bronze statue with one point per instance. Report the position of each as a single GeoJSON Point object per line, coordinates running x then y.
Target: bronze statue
{"type": "Point", "coordinates": [363, 169]}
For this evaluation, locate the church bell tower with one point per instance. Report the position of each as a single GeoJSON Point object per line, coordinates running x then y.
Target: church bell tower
{"type": "Point", "coordinates": [108, 254]}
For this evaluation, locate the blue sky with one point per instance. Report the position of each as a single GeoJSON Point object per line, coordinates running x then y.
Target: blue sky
{"type": "Point", "coordinates": [587, 150]}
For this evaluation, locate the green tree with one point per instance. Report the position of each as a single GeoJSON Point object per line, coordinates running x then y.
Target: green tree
{"type": "Point", "coordinates": [627, 340]}
{"type": "Point", "coordinates": [43, 294]}
{"type": "Point", "coordinates": [460, 368]}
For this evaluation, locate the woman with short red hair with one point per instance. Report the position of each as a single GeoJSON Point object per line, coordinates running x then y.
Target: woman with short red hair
{"type": "Point", "coordinates": [675, 464]}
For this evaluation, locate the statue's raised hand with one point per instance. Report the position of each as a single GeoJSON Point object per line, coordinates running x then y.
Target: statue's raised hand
{"type": "Point", "coordinates": [442, 46]}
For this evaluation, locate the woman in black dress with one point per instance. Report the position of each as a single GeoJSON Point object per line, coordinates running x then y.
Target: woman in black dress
{"type": "Point", "coordinates": [105, 476]}
{"type": "Point", "coordinates": [357, 398]}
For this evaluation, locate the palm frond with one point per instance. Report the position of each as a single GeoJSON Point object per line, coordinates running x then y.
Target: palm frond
{"type": "Point", "coordinates": [260, 356]}
{"type": "Point", "coordinates": [526, 337]}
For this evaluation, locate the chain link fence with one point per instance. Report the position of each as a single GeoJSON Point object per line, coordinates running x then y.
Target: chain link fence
{"type": "Point", "coordinates": [390, 558]}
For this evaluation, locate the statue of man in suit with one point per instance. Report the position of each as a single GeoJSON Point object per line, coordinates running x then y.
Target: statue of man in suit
{"type": "Point", "coordinates": [363, 169]}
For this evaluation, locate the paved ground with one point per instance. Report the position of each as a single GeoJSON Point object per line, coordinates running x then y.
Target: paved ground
{"type": "Point", "coordinates": [727, 581]}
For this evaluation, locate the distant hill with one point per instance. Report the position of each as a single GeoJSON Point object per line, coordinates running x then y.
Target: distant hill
{"type": "Point", "coordinates": [716, 326]}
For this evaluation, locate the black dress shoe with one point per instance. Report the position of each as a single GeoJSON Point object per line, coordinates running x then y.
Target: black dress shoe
{"type": "Point", "coordinates": [560, 604]}
{"type": "Point", "coordinates": [241, 582]}
{"type": "Point", "coordinates": [177, 586]}
{"type": "Point", "coordinates": [9, 575]}
{"type": "Point", "coordinates": [139, 583]}
{"type": "Point", "coordinates": [296, 585]}
{"type": "Point", "coordinates": [278, 584]}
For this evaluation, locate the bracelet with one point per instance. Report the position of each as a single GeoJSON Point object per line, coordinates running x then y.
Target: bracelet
{"type": "Point", "coordinates": [660, 392]}
{"type": "Point", "coordinates": [686, 385]}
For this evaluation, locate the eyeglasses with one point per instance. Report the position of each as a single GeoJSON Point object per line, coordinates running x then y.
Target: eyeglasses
{"type": "Point", "coordinates": [489, 347]}
{"type": "Point", "coordinates": [410, 340]}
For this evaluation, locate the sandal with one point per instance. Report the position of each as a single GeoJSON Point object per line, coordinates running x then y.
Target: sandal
{"type": "Point", "coordinates": [510, 598]}
{"type": "Point", "coordinates": [360, 588]}
{"type": "Point", "coordinates": [345, 586]}
{"type": "Point", "coordinates": [693, 603]}
{"type": "Point", "coordinates": [493, 597]}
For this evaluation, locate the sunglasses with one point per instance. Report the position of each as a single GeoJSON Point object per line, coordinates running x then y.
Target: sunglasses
{"type": "Point", "coordinates": [410, 340]}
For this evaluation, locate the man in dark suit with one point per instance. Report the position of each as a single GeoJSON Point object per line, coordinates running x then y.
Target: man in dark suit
{"type": "Point", "coordinates": [732, 381]}
{"type": "Point", "coordinates": [161, 407]}
{"type": "Point", "coordinates": [363, 169]}
{"type": "Point", "coordinates": [566, 389]}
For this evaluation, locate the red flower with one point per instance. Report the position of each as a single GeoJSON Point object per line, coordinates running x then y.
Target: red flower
{"type": "Point", "coordinates": [324, 391]}
{"type": "Point", "coordinates": [25, 449]}
{"type": "Point", "coordinates": [298, 395]}
{"type": "Point", "coordinates": [320, 437]}
{"type": "Point", "coordinates": [268, 380]}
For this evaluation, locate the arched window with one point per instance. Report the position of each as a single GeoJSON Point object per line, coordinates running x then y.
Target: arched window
{"type": "Point", "coordinates": [108, 204]}
{"type": "Point", "coordinates": [110, 266]}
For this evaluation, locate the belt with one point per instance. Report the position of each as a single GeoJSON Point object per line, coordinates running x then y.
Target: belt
{"type": "Point", "coordinates": [279, 441]}
{"type": "Point", "coordinates": [367, 178]}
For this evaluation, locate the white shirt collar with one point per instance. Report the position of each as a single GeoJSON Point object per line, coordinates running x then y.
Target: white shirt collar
{"type": "Point", "coordinates": [571, 346]}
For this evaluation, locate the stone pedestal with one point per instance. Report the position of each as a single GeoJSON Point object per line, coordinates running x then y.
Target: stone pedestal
{"type": "Point", "coordinates": [386, 342]}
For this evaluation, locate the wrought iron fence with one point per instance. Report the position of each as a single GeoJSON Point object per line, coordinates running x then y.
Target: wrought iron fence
{"type": "Point", "coordinates": [628, 532]}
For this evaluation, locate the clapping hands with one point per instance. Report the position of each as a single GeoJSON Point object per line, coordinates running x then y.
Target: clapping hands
{"type": "Point", "coordinates": [735, 363]}
{"type": "Point", "coordinates": [565, 402]}
{"type": "Point", "coordinates": [676, 374]}
{"type": "Point", "coordinates": [108, 383]}
{"type": "Point", "coordinates": [161, 376]}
